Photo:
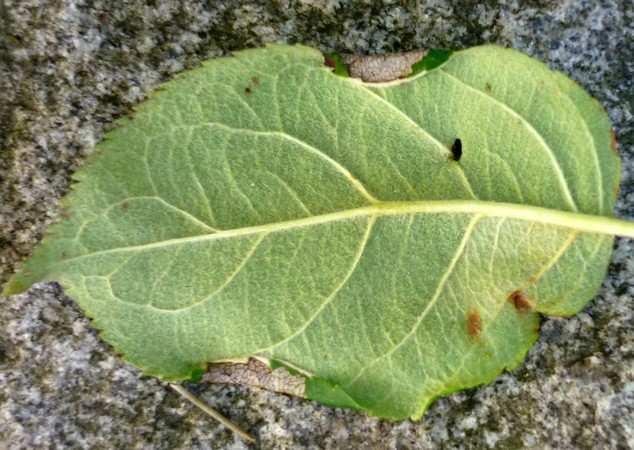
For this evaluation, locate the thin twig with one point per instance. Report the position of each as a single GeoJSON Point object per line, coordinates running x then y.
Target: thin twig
{"type": "Point", "coordinates": [212, 412]}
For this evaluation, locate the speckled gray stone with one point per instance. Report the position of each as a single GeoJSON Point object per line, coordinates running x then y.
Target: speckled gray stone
{"type": "Point", "coordinates": [68, 67]}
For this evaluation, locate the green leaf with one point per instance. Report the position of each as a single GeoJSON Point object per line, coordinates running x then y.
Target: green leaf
{"type": "Point", "coordinates": [335, 61]}
{"type": "Point", "coordinates": [263, 206]}
{"type": "Point", "coordinates": [432, 59]}
{"type": "Point", "coordinates": [197, 375]}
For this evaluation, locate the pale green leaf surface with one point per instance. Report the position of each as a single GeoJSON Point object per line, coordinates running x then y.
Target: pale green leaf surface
{"type": "Point", "coordinates": [261, 205]}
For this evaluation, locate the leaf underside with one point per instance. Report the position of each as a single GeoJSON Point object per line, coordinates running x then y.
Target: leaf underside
{"type": "Point", "coordinates": [261, 205]}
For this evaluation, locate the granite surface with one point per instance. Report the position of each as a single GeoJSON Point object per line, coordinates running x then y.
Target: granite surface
{"type": "Point", "coordinates": [68, 67]}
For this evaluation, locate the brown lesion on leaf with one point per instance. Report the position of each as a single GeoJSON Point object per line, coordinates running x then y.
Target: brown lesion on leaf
{"type": "Point", "coordinates": [253, 83]}
{"type": "Point", "coordinates": [614, 145]}
{"type": "Point", "coordinates": [616, 190]}
{"type": "Point", "coordinates": [474, 323]}
{"type": "Point", "coordinates": [521, 303]}
{"type": "Point", "coordinates": [125, 205]}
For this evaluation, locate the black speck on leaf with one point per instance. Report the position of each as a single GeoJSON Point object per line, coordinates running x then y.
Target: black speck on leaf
{"type": "Point", "coordinates": [456, 150]}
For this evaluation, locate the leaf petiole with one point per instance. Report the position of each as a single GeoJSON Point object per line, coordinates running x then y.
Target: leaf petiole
{"type": "Point", "coordinates": [212, 412]}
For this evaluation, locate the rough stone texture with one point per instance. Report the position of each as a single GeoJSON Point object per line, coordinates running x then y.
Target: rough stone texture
{"type": "Point", "coordinates": [68, 67]}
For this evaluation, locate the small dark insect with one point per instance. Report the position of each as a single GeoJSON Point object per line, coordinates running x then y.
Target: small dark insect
{"type": "Point", "coordinates": [255, 81]}
{"type": "Point", "coordinates": [474, 324]}
{"type": "Point", "coordinates": [519, 300]}
{"type": "Point", "coordinates": [247, 90]}
{"type": "Point", "coordinates": [487, 87]}
{"type": "Point", "coordinates": [456, 150]}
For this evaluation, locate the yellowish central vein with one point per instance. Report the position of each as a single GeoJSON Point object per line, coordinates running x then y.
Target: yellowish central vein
{"type": "Point", "coordinates": [574, 221]}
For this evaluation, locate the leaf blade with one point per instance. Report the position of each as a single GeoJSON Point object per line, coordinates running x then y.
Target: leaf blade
{"type": "Point", "coordinates": [328, 215]}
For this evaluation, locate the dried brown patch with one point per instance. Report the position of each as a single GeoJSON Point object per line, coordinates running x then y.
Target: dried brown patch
{"type": "Point", "coordinates": [382, 68]}
{"type": "Point", "coordinates": [520, 301]}
{"type": "Point", "coordinates": [474, 324]}
{"type": "Point", "coordinates": [614, 145]}
{"type": "Point", "coordinates": [257, 374]}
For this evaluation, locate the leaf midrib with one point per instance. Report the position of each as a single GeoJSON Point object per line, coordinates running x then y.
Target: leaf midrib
{"type": "Point", "coordinates": [576, 221]}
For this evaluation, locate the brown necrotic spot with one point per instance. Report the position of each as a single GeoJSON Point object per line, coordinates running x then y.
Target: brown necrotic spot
{"type": "Point", "coordinates": [520, 301]}
{"type": "Point", "coordinates": [613, 142]}
{"type": "Point", "coordinates": [474, 324]}
{"type": "Point", "coordinates": [255, 81]}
